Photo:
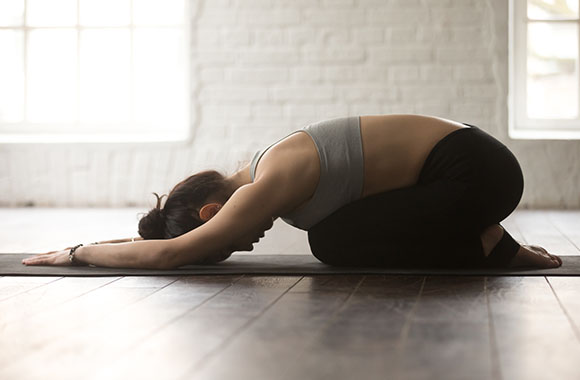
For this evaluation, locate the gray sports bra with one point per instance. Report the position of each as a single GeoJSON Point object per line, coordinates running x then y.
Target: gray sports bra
{"type": "Point", "coordinates": [339, 146]}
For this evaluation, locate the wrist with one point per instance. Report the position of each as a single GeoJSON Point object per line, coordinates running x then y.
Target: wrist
{"type": "Point", "coordinates": [75, 255]}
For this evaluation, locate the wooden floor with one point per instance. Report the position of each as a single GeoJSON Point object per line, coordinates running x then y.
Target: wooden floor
{"type": "Point", "coordinates": [296, 327]}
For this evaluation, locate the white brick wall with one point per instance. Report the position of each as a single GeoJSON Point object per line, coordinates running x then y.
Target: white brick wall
{"type": "Point", "coordinates": [262, 68]}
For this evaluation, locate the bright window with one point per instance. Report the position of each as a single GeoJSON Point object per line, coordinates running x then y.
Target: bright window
{"type": "Point", "coordinates": [544, 69]}
{"type": "Point", "coordinates": [93, 70]}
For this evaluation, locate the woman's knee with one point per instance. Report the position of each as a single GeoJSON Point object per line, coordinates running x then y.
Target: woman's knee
{"type": "Point", "coordinates": [322, 244]}
{"type": "Point", "coordinates": [512, 177]}
{"type": "Point", "coordinates": [332, 242]}
{"type": "Point", "coordinates": [503, 188]}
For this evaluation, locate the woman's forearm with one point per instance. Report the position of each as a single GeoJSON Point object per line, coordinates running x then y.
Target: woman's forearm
{"type": "Point", "coordinates": [149, 254]}
{"type": "Point", "coordinates": [114, 241]}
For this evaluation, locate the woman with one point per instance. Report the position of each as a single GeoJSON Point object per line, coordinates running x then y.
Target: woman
{"type": "Point", "coordinates": [392, 190]}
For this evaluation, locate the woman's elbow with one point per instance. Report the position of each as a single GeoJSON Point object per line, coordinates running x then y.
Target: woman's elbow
{"type": "Point", "coordinates": [167, 261]}
{"type": "Point", "coordinates": [164, 258]}
{"type": "Point", "coordinates": [173, 256]}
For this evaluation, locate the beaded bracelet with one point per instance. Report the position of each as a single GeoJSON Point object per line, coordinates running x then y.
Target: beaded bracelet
{"type": "Point", "coordinates": [71, 254]}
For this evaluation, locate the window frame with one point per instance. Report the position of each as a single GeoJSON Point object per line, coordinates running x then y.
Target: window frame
{"type": "Point", "coordinates": [520, 126]}
{"type": "Point", "coordinates": [27, 132]}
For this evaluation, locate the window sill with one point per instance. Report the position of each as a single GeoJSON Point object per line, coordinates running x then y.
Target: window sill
{"type": "Point", "coordinates": [544, 134]}
{"type": "Point", "coordinates": [93, 138]}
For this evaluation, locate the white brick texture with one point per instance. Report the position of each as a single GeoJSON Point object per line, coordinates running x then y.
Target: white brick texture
{"type": "Point", "coordinates": [262, 68]}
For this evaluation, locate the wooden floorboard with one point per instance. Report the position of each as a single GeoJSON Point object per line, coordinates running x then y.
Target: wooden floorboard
{"type": "Point", "coordinates": [568, 224]}
{"type": "Point", "coordinates": [105, 322]}
{"type": "Point", "coordinates": [362, 339]}
{"type": "Point", "coordinates": [187, 341]}
{"type": "Point", "coordinates": [345, 328]}
{"type": "Point", "coordinates": [48, 333]}
{"type": "Point", "coordinates": [285, 330]}
{"type": "Point", "coordinates": [11, 286]}
{"type": "Point", "coordinates": [567, 292]}
{"type": "Point", "coordinates": [535, 339]}
{"type": "Point", "coordinates": [295, 327]}
{"type": "Point", "coordinates": [17, 309]}
{"type": "Point", "coordinates": [449, 334]}
{"type": "Point", "coordinates": [542, 229]}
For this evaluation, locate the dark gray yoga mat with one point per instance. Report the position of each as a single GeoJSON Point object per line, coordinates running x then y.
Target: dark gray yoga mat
{"type": "Point", "coordinates": [10, 265]}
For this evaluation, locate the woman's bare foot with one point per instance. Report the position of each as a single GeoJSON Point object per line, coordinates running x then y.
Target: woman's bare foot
{"type": "Point", "coordinates": [535, 256]}
{"type": "Point", "coordinates": [527, 255]}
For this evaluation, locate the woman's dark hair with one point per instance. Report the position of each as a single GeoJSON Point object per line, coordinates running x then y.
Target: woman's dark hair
{"type": "Point", "coordinates": [180, 214]}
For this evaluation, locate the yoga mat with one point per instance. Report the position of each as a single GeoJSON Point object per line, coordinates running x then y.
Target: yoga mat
{"type": "Point", "coordinates": [10, 265]}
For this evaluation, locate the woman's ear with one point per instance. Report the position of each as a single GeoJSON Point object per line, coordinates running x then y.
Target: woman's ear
{"type": "Point", "coordinates": [208, 211]}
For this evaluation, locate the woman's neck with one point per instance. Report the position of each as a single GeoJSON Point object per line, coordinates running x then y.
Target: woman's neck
{"type": "Point", "coordinates": [239, 179]}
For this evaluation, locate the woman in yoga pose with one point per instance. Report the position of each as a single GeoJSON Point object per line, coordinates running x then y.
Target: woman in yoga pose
{"type": "Point", "coordinates": [392, 191]}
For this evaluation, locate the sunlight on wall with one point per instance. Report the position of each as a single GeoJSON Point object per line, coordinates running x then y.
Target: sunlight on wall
{"type": "Point", "coordinates": [86, 65]}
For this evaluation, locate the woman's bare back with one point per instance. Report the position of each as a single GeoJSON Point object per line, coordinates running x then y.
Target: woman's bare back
{"type": "Point", "coordinates": [396, 146]}
{"type": "Point", "coordinates": [394, 150]}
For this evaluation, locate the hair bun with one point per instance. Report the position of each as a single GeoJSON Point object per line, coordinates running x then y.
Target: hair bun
{"type": "Point", "coordinates": [152, 225]}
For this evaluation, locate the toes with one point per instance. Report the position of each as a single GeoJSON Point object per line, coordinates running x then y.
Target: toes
{"type": "Point", "coordinates": [543, 252]}
{"type": "Point", "coordinates": [532, 257]}
{"type": "Point", "coordinates": [551, 259]}
{"type": "Point", "coordinates": [555, 258]}
{"type": "Point", "coordinates": [556, 262]}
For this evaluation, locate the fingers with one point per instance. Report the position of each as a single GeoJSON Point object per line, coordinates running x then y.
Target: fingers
{"type": "Point", "coordinates": [57, 258]}
{"type": "Point", "coordinates": [42, 259]}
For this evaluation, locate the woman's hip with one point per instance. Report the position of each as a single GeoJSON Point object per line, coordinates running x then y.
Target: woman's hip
{"type": "Point", "coordinates": [469, 155]}
{"type": "Point", "coordinates": [489, 170]}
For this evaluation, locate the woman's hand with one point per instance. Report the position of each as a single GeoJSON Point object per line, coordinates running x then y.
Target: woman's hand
{"type": "Point", "coordinates": [59, 258]}
{"type": "Point", "coordinates": [217, 257]}
{"type": "Point", "coordinates": [247, 242]}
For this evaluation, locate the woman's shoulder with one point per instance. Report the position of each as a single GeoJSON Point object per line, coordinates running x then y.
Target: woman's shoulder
{"type": "Point", "coordinates": [291, 167]}
{"type": "Point", "coordinates": [295, 152]}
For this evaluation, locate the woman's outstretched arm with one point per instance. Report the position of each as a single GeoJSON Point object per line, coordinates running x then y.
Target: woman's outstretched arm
{"type": "Point", "coordinates": [139, 254]}
{"type": "Point", "coordinates": [240, 223]}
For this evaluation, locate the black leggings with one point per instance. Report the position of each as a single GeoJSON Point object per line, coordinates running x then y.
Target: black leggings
{"type": "Point", "coordinates": [469, 181]}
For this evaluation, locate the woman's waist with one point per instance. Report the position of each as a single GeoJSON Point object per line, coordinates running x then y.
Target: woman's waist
{"type": "Point", "coordinates": [399, 164]}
